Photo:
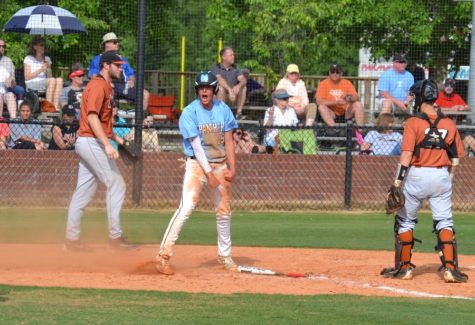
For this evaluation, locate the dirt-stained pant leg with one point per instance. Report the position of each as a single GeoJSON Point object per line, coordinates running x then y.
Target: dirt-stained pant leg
{"type": "Point", "coordinates": [93, 156]}
{"type": "Point", "coordinates": [192, 185]}
{"type": "Point", "coordinates": [222, 207]}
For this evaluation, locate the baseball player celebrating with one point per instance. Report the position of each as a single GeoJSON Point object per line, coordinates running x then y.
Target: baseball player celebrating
{"type": "Point", "coordinates": [97, 155]}
{"type": "Point", "coordinates": [206, 125]}
{"type": "Point", "coordinates": [431, 149]}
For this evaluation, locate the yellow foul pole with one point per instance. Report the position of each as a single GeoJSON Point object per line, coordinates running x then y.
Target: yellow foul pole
{"type": "Point", "coordinates": [182, 79]}
{"type": "Point", "coordinates": [220, 46]}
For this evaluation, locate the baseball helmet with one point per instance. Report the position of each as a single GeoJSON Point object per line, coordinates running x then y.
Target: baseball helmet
{"type": "Point", "coordinates": [206, 78]}
{"type": "Point", "coordinates": [424, 91]}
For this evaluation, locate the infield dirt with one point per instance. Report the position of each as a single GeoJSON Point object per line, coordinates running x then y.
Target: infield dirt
{"type": "Point", "coordinates": [331, 271]}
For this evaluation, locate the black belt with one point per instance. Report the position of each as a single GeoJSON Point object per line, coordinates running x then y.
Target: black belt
{"type": "Point", "coordinates": [191, 157]}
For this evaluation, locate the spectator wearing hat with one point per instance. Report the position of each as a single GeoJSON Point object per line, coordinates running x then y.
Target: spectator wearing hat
{"type": "Point", "coordinates": [71, 95]}
{"type": "Point", "coordinates": [448, 99]}
{"type": "Point", "coordinates": [280, 114]}
{"type": "Point", "coordinates": [393, 86]}
{"type": "Point", "coordinates": [64, 135]}
{"type": "Point", "coordinates": [7, 78]}
{"type": "Point", "coordinates": [125, 86]}
{"type": "Point", "coordinates": [38, 73]}
{"type": "Point", "coordinates": [296, 88]}
{"type": "Point", "coordinates": [337, 99]}
{"type": "Point", "coordinates": [232, 83]}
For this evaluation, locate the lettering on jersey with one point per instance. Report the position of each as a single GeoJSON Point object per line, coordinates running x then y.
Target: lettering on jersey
{"type": "Point", "coordinates": [211, 128]}
{"type": "Point", "coordinates": [336, 93]}
{"type": "Point", "coordinates": [433, 135]}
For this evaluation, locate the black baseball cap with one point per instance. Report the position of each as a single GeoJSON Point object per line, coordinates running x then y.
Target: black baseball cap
{"type": "Point", "coordinates": [400, 57]}
{"type": "Point", "coordinates": [334, 67]}
{"type": "Point", "coordinates": [110, 57]}
{"type": "Point", "coordinates": [449, 82]}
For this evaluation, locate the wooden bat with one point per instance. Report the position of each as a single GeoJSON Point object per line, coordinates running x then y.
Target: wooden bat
{"type": "Point", "coordinates": [260, 271]}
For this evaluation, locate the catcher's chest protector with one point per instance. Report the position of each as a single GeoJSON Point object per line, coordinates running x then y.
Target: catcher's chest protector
{"type": "Point", "coordinates": [434, 138]}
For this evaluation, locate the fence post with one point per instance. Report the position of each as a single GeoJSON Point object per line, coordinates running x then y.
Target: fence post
{"type": "Point", "coordinates": [348, 162]}
{"type": "Point", "coordinates": [138, 165]}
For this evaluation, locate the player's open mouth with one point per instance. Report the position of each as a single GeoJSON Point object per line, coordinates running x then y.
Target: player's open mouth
{"type": "Point", "coordinates": [204, 96]}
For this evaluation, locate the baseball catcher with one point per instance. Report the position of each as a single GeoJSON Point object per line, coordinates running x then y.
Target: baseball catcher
{"type": "Point", "coordinates": [431, 149]}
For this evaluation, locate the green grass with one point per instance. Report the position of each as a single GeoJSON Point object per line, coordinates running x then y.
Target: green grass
{"type": "Point", "coordinates": [365, 230]}
{"type": "Point", "coordinates": [362, 230]}
{"type": "Point", "coordinates": [31, 305]}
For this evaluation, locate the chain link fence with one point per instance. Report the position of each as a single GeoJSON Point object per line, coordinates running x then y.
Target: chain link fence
{"type": "Point", "coordinates": [307, 168]}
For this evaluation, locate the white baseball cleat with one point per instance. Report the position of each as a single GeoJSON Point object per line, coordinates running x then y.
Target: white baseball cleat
{"type": "Point", "coordinates": [228, 263]}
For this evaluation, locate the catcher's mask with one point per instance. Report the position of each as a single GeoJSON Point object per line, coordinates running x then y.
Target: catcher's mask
{"type": "Point", "coordinates": [424, 91]}
{"type": "Point", "coordinates": [206, 78]}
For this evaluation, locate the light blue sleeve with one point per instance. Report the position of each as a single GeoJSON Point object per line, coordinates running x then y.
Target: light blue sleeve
{"type": "Point", "coordinates": [187, 124]}
{"type": "Point", "coordinates": [383, 83]}
{"type": "Point", "coordinates": [94, 66]}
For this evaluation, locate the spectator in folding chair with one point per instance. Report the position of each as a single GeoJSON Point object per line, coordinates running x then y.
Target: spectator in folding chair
{"type": "Point", "coordinates": [10, 82]}
{"type": "Point", "coordinates": [4, 133]}
{"type": "Point", "coordinates": [38, 73]}
{"type": "Point", "coordinates": [124, 88]}
{"type": "Point", "coordinates": [71, 95]}
{"type": "Point", "coordinates": [337, 99]}
{"type": "Point", "coordinates": [384, 141]}
{"type": "Point", "coordinates": [64, 135]}
{"type": "Point", "coordinates": [24, 135]}
{"type": "Point", "coordinates": [280, 114]}
{"type": "Point", "coordinates": [299, 101]}
{"type": "Point", "coordinates": [393, 86]}
{"type": "Point", "coordinates": [448, 99]}
{"type": "Point", "coordinates": [150, 141]}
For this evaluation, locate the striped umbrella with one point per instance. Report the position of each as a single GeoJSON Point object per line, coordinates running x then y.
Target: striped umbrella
{"type": "Point", "coordinates": [44, 20]}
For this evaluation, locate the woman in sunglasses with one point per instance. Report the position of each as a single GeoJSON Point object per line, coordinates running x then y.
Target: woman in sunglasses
{"type": "Point", "coordinates": [38, 73]}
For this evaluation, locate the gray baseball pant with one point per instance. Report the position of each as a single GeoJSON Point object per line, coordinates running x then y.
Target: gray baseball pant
{"type": "Point", "coordinates": [94, 164]}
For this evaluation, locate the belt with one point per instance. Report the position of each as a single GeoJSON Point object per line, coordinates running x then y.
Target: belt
{"type": "Point", "coordinates": [190, 157]}
{"type": "Point", "coordinates": [438, 167]}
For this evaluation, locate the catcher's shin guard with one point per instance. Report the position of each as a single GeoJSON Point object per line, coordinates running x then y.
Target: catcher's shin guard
{"type": "Point", "coordinates": [403, 244]}
{"type": "Point", "coordinates": [446, 248]}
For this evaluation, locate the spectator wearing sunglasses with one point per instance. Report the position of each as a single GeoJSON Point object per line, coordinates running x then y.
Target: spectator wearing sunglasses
{"type": "Point", "coordinates": [38, 74]}
{"type": "Point", "coordinates": [337, 99]}
{"type": "Point", "coordinates": [71, 95]}
{"type": "Point", "coordinates": [393, 86]}
{"type": "Point", "coordinates": [124, 87]}
{"type": "Point", "coordinates": [448, 99]}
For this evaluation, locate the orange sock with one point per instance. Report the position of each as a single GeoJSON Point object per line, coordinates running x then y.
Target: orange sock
{"type": "Point", "coordinates": [406, 249]}
{"type": "Point", "coordinates": [447, 249]}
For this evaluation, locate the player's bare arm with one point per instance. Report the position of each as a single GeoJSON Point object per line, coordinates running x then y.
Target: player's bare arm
{"type": "Point", "coordinates": [231, 159]}
{"type": "Point", "coordinates": [101, 135]}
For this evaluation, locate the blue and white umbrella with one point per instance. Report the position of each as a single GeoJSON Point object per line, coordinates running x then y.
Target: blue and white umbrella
{"type": "Point", "coordinates": [44, 20]}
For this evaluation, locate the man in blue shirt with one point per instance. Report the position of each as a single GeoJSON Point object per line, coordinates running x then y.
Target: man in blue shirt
{"type": "Point", "coordinates": [206, 125]}
{"type": "Point", "coordinates": [393, 86]}
{"type": "Point", "coordinates": [125, 86]}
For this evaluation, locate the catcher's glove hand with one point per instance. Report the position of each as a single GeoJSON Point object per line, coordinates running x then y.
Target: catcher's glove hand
{"type": "Point", "coordinates": [395, 199]}
{"type": "Point", "coordinates": [129, 152]}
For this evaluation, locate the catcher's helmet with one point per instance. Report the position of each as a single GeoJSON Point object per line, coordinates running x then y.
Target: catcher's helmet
{"type": "Point", "coordinates": [424, 91]}
{"type": "Point", "coordinates": [206, 78]}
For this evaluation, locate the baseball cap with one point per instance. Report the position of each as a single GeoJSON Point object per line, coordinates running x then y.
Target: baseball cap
{"type": "Point", "coordinates": [335, 67]}
{"type": "Point", "coordinates": [281, 94]}
{"type": "Point", "coordinates": [400, 57]}
{"type": "Point", "coordinates": [69, 111]}
{"type": "Point", "coordinates": [109, 37]}
{"type": "Point", "coordinates": [111, 57]}
{"type": "Point", "coordinates": [76, 70]}
{"type": "Point", "coordinates": [449, 82]}
{"type": "Point", "coordinates": [293, 68]}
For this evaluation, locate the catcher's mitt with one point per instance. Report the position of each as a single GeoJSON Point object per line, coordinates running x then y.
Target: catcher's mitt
{"type": "Point", "coordinates": [395, 199]}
